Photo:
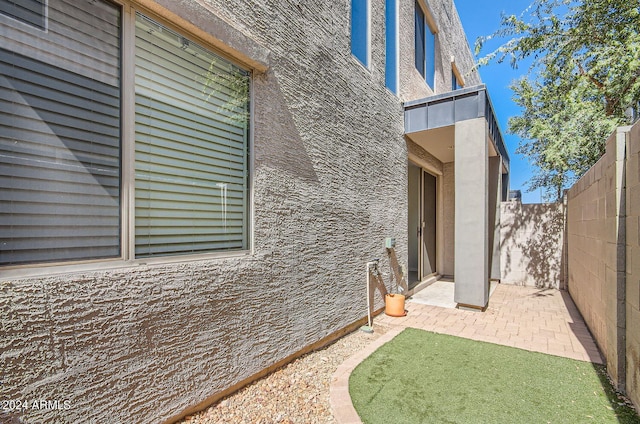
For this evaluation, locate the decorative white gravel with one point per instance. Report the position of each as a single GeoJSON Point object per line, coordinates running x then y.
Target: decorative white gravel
{"type": "Point", "coordinates": [294, 394]}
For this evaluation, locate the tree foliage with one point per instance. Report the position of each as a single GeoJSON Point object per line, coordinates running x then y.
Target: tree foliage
{"type": "Point", "coordinates": [584, 79]}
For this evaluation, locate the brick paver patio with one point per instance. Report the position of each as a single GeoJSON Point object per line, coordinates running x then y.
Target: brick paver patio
{"type": "Point", "coordinates": [542, 320]}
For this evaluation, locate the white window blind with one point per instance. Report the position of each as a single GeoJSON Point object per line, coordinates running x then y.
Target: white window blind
{"type": "Point", "coordinates": [31, 12]}
{"type": "Point", "coordinates": [191, 149]}
{"type": "Point", "coordinates": [60, 137]}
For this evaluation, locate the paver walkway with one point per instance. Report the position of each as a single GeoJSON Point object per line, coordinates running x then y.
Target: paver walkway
{"type": "Point", "coordinates": [541, 320]}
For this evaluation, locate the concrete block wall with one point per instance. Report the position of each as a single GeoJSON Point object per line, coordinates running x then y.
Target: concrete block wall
{"type": "Point", "coordinates": [632, 298]}
{"type": "Point", "coordinates": [592, 247]}
{"type": "Point", "coordinates": [531, 240]}
{"type": "Point", "coordinates": [147, 343]}
{"type": "Point", "coordinates": [602, 223]}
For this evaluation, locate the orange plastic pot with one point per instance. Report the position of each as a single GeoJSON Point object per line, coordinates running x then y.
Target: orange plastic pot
{"type": "Point", "coordinates": [394, 305]}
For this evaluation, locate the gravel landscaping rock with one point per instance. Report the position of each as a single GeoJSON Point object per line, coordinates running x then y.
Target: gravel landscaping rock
{"type": "Point", "coordinates": [294, 394]}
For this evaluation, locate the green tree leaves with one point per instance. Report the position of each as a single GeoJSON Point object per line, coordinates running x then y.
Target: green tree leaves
{"type": "Point", "coordinates": [584, 79]}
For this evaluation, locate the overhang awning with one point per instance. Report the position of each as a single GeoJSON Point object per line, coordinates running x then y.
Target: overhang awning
{"type": "Point", "coordinates": [444, 110]}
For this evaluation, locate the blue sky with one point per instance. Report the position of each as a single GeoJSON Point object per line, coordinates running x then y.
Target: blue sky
{"type": "Point", "coordinates": [483, 18]}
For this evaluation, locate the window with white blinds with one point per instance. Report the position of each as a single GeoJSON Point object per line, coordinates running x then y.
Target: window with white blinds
{"type": "Point", "coordinates": [63, 139]}
{"type": "Point", "coordinates": [60, 137]}
{"type": "Point", "coordinates": [191, 167]}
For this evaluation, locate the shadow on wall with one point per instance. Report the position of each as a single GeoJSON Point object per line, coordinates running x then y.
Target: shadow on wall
{"type": "Point", "coordinates": [532, 239]}
{"type": "Point", "coordinates": [278, 141]}
{"type": "Point", "coordinates": [397, 280]}
{"type": "Point", "coordinates": [397, 275]}
{"type": "Point", "coordinates": [579, 329]}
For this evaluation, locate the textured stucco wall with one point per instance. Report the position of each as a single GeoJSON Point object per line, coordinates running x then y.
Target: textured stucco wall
{"type": "Point", "coordinates": [531, 238]}
{"type": "Point", "coordinates": [633, 265]}
{"type": "Point", "coordinates": [423, 158]}
{"type": "Point", "coordinates": [144, 343]}
{"type": "Point", "coordinates": [451, 42]}
{"type": "Point", "coordinates": [595, 249]}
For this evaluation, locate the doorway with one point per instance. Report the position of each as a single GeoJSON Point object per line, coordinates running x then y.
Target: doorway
{"type": "Point", "coordinates": [422, 222]}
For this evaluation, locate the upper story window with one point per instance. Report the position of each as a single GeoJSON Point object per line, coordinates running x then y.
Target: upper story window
{"type": "Point", "coordinates": [457, 81]}
{"type": "Point", "coordinates": [425, 45]}
{"type": "Point", "coordinates": [391, 45]}
{"type": "Point", "coordinates": [88, 173]}
{"type": "Point", "coordinates": [455, 84]}
{"type": "Point", "coordinates": [361, 30]}
{"type": "Point", "coordinates": [32, 12]}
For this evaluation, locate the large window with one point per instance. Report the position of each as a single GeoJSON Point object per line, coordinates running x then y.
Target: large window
{"type": "Point", "coordinates": [60, 137]}
{"type": "Point", "coordinates": [64, 137]}
{"type": "Point", "coordinates": [191, 146]}
{"type": "Point", "coordinates": [425, 46]}
{"type": "Point", "coordinates": [360, 30]}
{"type": "Point", "coordinates": [391, 45]}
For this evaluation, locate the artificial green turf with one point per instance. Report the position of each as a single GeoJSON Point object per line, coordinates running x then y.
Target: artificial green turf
{"type": "Point", "coordinates": [424, 377]}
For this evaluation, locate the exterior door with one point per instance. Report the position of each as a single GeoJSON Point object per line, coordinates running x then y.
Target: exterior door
{"type": "Point", "coordinates": [422, 224]}
{"type": "Point", "coordinates": [415, 220]}
{"type": "Point", "coordinates": [428, 223]}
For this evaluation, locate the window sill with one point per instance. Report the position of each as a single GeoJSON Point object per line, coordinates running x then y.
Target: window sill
{"type": "Point", "coordinates": [38, 271]}
{"type": "Point", "coordinates": [359, 62]}
{"type": "Point", "coordinates": [203, 21]}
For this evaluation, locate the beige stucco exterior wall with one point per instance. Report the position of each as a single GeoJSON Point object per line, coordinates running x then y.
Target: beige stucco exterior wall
{"type": "Point", "coordinates": [531, 238]}
{"type": "Point", "coordinates": [597, 263]}
{"type": "Point", "coordinates": [451, 42]}
{"type": "Point", "coordinates": [146, 342]}
{"type": "Point", "coordinates": [632, 172]}
{"type": "Point", "coordinates": [423, 158]}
